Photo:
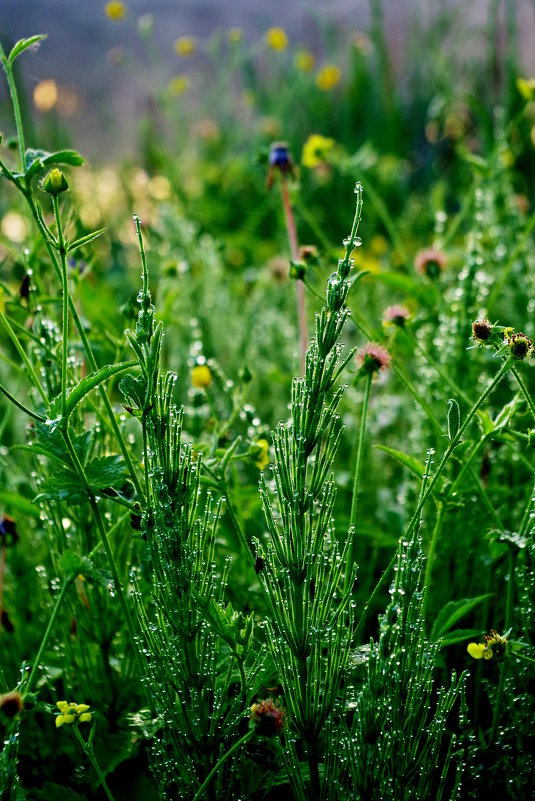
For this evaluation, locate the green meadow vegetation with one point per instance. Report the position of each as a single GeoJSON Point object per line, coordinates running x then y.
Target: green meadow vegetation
{"type": "Point", "coordinates": [267, 425]}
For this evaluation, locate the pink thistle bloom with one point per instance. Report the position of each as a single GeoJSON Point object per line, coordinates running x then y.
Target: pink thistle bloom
{"type": "Point", "coordinates": [396, 315]}
{"type": "Point", "coordinates": [373, 358]}
{"type": "Point", "coordinates": [430, 262]}
{"type": "Point", "coordinates": [267, 717]}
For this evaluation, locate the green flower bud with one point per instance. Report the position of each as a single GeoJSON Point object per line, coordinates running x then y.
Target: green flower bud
{"type": "Point", "coordinates": [298, 270]}
{"type": "Point", "coordinates": [55, 182]}
{"type": "Point", "coordinates": [520, 346]}
{"type": "Point", "coordinates": [454, 418]}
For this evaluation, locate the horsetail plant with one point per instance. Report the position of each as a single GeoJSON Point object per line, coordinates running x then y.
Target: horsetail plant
{"type": "Point", "coordinates": [309, 628]}
{"type": "Point", "coordinates": [195, 647]}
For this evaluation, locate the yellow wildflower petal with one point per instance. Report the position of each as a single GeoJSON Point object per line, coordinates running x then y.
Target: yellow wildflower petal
{"type": "Point", "coordinates": [526, 87]}
{"type": "Point", "coordinates": [80, 708]}
{"type": "Point", "coordinates": [277, 39]}
{"type": "Point", "coordinates": [263, 454]}
{"type": "Point", "coordinates": [63, 706]}
{"type": "Point", "coordinates": [185, 46]}
{"type": "Point", "coordinates": [304, 61]}
{"type": "Point", "coordinates": [201, 377]}
{"type": "Point", "coordinates": [316, 150]}
{"type": "Point", "coordinates": [488, 653]}
{"type": "Point", "coordinates": [328, 77]}
{"type": "Point", "coordinates": [115, 10]}
{"type": "Point", "coordinates": [85, 718]}
{"type": "Point", "coordinates": [179, 85]}
{"type": "Point", "coordinates": [476, 650]}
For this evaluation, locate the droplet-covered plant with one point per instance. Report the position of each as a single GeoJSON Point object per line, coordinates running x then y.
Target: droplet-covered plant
{"type": "Point", "coordinates": [195, 647]}
{"type": "Point", "coordinates": [309, 626]}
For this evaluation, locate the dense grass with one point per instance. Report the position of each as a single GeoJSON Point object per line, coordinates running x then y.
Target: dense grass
{"type": "Point", "coordinates": [268, 509]}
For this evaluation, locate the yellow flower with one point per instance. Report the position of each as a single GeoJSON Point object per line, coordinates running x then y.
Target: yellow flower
{"type": "Point", "coordinates": [71, 712]}
{"type": "Point", "coordinates": [304, 61]}
{"type": "Point", "coordinates": [115, 10]}
{"type": "Point", "coordinates": [493, 646]}
{"type": "Point", "coordinates": [526, 87]}
{"type": "Point", "coordinates": [277, 39]}
{"type": "Point", "coordinates": [328, 77]}
{"type": "Point", "coordinates": [316, 150]}
{"type": "Point", "coordinates": [262, 454]}
{"type": "Point", "coordinates": [185, 46]}
{"type": "Point", "coordinates": [235, 35]}
{"type": "Point", "coordinates": [179, 85]}
{"type": "Point", "coordinates": [201, 377]}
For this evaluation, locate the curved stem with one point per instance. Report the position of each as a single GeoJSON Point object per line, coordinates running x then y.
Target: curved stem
{"type": "Point", "coordinates": [48, 631]}
{"type": "Point", "coordinates": [21, 406]}
{"type": "Point", "coordinates": [20, 350]}
{"type": "Point", "coordinates": [65, 290]}
{"type": "Point", "coordinates": [90, 754]}
{"type": "Point", "coordinates": [16, 108]}
{"type": "Point", "coordinates": [527, 397]}
{"type": "Point", "coordinates": [455, 441]}
{"type": "Point", "coordinates": [356, 475]}
{"type": "Point", "coordinates": [220, 762]}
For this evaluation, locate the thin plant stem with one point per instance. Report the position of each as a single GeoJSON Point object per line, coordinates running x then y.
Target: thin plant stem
{"type": "Point", "coordinates": [300, 289]}
{"type": "Point", "coordinates": [356, 474]}
{"type": "Point", "coordinates": [375, 592]}
{"type": "Point", "coordinates": [436, 367]}
{"type": "Point", "coordinates": [21, 406]}
{"type": "Point", "coordinates": [87, 348]}
{"type": "Point", "coordinates": [90, 754]}
{"type": "Point", "coordinates": [221, 762]}
{"type": "Point", "coordinates": [23, 356]}
{"type": "Point", "coordinates": [105, 542]}
{"type": "Point", "coordinates": [527, 397]}
{"type": "Point", "coordinates": [48, 631]}
{"type": "Point", "coordinates": [65, 290]}
{"type": "Point", "coordinates": [431, 555]}
{"type": "Point", "coordinates": [16, 108]}
{"type": "Point", "coordinates": [455, 441]}
{"type": "Point", "coordinates": [3, 681]}
{"type": "Point", "coordinates": [509, 601]}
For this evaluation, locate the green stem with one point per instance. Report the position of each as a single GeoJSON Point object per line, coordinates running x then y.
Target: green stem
{"type": "Point", "coordinates": [454, 442]}
{"type": "Point", "coordinates": [46, 636]}
{"type": "Point", "coordinates": [436, 367]}
{"type": "Point", "coordinates": [25, 360]}
{"type": "Point", "coordinates": [21, 406]}
{"type": "Point", "coordinates": [247, 546]}
{"type": "Point", "coordinates": [16, 108]}
{"type": "Point", "coordinates": [3, 681]}
{"type": "Point", "coordinates": [87, 349]}
{"type": "Point", "coordinates": [431, 555]}
{"type": "Point", "coordinates": [65, 290]}
{"type": "Point", "coordinates": [299, 288]}
{"type": "Point", "coordinates": [105, 543]}
{"type": "Point", "coordinates": [220, 762]}
{"type": "Point", "coordinates": [356, 476]}
{"type": "Point", "coordinates": [369, 603]}
{"type": "Point", "coordinates": [527, 397]}
{"type": "Point", "coordinates": [90, 754]}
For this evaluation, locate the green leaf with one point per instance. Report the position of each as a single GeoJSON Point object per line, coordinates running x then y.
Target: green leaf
{"type": "Point", "coordinates": [452, 613]}
{"type": "Point", "coordinates": [24, 44]}
{"type": "Point", "coordinates": [84, 240]}
{"type": "Point", "coordinates": [50, 791]}
{"type": "Point", "coordinates": [64, 486]}
{"type": "Point", "coordinates": [14, 502]}
{"type": "Point", "coordinates": [85, 386]}
{"type": "Point", "coordinates": [409, 286]}
{"type": "Point", "coordinates": [105, 472]}
{"type": "Point", "coordinates": [71, 563]}
{"type": "Point", "coordinates": [414, 465]}
{"type": "Point", "coordinates": [70, 157]}
{"type": "Point", "coordinates": [459, 635]}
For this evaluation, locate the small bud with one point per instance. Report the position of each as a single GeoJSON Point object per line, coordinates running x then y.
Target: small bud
{"type": "Point", "coordinates": [430, 262]}
{"type": "Point", "coordinates": [520, 346]}
{"type": "Point", "coordinates": [55, 182]}
{"type": "Point", "coordinates": [246, 375]}
{"type": "Point", "coordinates": [396, 315]}
{"type": "Point", "coordinates": [454, 419]}
{"type": "Point", "coordinates": [481, 330]}
{"type": "Point", "coordinates": [279, 160]}
{"type": "Point", "coordinates": [373, 358]}
{"type": "Point", "coordinates": [11, 704]}
{"type": "Point", "coordinates": [298, 270]}
{"type": "Point", "coordinates": [267, 717]}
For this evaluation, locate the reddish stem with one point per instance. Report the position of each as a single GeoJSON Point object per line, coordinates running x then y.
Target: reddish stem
{"type": "Point", "coordinates": [300, 288]}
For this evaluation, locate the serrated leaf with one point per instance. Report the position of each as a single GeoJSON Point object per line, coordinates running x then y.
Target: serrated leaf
{"type": "Point", "coordinates": [85, 386]}
{"type": "Point", "coordinates": [84, 240]}
{"type": "Point", "coordinates": [51, 444]}
{"type": "Point", "coordinates": [104, 472]}
{"type": "Point", "coordinates": [459, 635]}
{"type": "Point", "coordinates": [23, 44]}
{"type": "Point", "coordinates": [133, 390]}
{"type": "Point", "coordinates": [452, 612]}
{"type": "Point", "coordinates": [63, 486]}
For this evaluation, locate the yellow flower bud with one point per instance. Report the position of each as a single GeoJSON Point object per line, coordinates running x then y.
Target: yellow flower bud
{"type": "Point", "coordinates": [201, 377]}
{"type": "Point", "coordinates": [55, 182]}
